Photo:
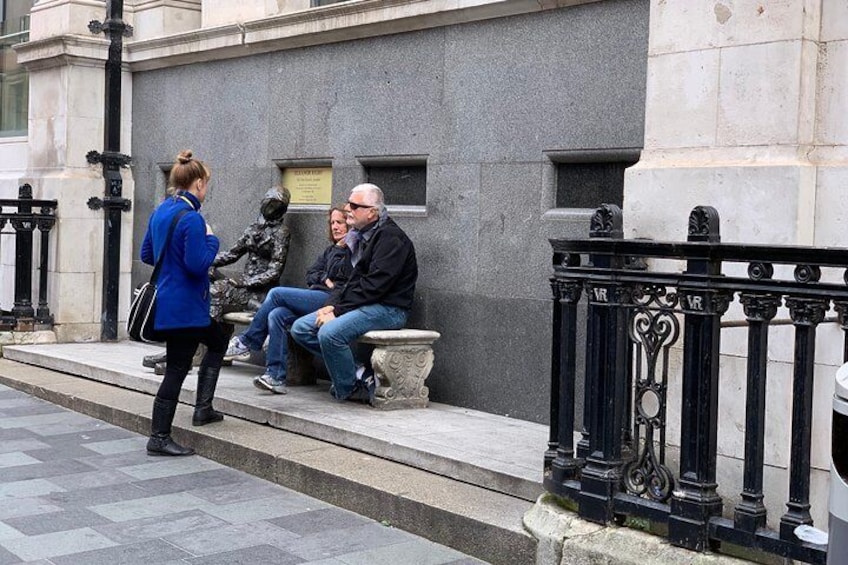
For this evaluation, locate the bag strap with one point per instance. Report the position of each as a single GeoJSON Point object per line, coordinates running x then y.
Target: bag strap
{"type": "Point", "coordinates": [174, 223]}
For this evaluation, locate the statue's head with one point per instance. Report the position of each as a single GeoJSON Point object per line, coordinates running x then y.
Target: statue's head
{"type": "Point", "coordinates": [275, 203]}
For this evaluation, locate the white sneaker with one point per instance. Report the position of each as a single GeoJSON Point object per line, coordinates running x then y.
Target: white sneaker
{"type": "Point", "coordinates": [265, 382]}
{"type": "Point", "coordinates": [237, 350]}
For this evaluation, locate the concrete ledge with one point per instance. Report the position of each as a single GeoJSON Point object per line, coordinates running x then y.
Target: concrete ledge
{"type": "Point", "coordinates": [473, 520]}
{"type": "Point", "coordinates": [26, 338]}
{"type": "Point", "coordinates": [443, 439]}
{"type": "Point", "coordinates": [566, 539]}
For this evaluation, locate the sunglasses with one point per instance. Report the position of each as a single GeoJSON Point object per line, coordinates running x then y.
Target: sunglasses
{"type": "Point", "coordinates": [355, 206]}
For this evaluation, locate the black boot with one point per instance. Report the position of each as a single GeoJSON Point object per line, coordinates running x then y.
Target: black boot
{"type": "Point", "coordinates": [207, 380]}
{"type": "Point", "coordinates": [160, 442]}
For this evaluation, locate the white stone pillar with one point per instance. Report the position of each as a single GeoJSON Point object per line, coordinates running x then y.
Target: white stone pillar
{"type": "Point", "coordinates": [730, 120]}
{"type": "Point", "coordinates": [66, 110]}
{"type": "Point", "coordinates": [155, 18]}
{"type": "Point", "coordinates": [222, 12]}
{"type": "Point", "coordinates": [746, 111]}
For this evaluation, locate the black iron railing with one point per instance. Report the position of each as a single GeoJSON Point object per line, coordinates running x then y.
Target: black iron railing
{"type": "Point", "coordinates": [19, 215]}
{"type": "Point", "coordinates": [635, 318]}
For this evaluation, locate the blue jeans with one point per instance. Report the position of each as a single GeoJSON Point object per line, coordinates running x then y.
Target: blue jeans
{"type": "Point", "coordinates": [332, 340]}
{"type": "Point", "coordinates": [282, 306]}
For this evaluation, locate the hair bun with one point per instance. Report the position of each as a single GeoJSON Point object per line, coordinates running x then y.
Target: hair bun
{"type": "Point", "coordinates": [184, 156]}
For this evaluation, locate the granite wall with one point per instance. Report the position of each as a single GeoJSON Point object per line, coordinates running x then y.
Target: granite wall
{"type": "Point", "coordinates": [486, 102]}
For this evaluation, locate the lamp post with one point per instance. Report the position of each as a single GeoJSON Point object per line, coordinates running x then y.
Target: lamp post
{"type": "Point", "coordinates": [112, 160]}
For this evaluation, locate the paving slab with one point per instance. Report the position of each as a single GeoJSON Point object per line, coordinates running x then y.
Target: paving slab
{"type": "Point", "coordinates": [468, 518]}
{"type": "Point", "coordinates": [491, 451]}
{"type": "Point", "coordinates": [182, 510]}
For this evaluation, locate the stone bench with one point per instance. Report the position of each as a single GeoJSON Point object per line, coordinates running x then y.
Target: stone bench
{"type": "Point", "coordinates": [402, 361]}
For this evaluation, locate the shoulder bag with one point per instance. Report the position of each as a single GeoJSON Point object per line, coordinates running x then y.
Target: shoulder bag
{"type": "Point", "coordinates": [143, 307]}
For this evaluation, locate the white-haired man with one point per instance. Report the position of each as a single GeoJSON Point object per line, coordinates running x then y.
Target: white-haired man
{"type": "Point", "coordinates": [378, 295]}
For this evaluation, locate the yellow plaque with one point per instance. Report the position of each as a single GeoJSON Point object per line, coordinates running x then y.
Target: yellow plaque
{"type": "Point", "coordinates": [309, 185]}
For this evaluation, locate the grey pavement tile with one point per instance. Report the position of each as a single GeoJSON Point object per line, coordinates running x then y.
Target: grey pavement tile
{"type": "Point", "coordinates": [63, 428]}
{"type": "Point", "coordinates": [8, 532]}
{"type": "Point", "coordinates": [47, 469]}
{"type": "Point", "coordinates": [27, 488]}
{"type": "Point", "coordinates": [48, 546]}
{"type": "Point", "coordinates": [17, 433]}
{"type": "Point", "coordinates": [231, 537]}
{"type": "Point", "coordinates": [264, 508]}
{"type": "Point", "coordinates": [315, 521]}
{"type": "Point", "coordinates": [247, 488]}
{"type": "Point", "coordinates": [114, 446]}
{"type": "Point", "coordinates": [158, 467]}
{"type": "Point", "coordinates": [56, 521]}
{"type": "Point", "coordinates": [29, 410]}
{"type": "Point", "coordinates": [106, 432]}
{"type": "Point", "coordinates": [8, 558]}
{"type": "Point", "coordinates": [416, 552]}
{"type": "Point", "coordinates": [142, 553]}
{"type": "Point", "coordinates": [333, 543]}
{"type": "Point", "coordinates": [159, 526]}
{"type": "Point", "coordinates": [119, 460]}
{"type": "Point", "coordinates": [14, 507]}
{"type": "Point", "coordinates": [22, 444]}
{"type": "Point", "coordinates": [210, 480]}
{"type": "Point", "coordinates": [256, 555]}
{"type": "Point", "coordinates": [150, 506]}
{"type": "Point", "coordinates": [38, 421]}
{"type": "Point", "coordinates": [330, 561]}
{"type": "Point", "coordinates": [56, 453]}
{"type": "Point", "coordinates": [91, 479]}
{"type": "Point", "coordinates": [467, 561]}
{"type": "Point", "coordinates": [16, 459]}
{"type": "Point", "coordinates": [23, 400]}
{"type": "Point", "coordinates": [107, 494]}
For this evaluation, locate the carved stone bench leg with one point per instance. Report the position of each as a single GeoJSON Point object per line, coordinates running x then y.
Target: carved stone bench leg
{"type": "Point", "coordinates": [401, 371]}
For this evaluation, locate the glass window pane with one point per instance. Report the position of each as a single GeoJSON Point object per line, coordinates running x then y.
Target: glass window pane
{"type": "Point", "coordinates": [588, 185]}
{"type": "Point", "coordinates": [14, 80]}
{"type": "Point", "coordinates": [404, 185]}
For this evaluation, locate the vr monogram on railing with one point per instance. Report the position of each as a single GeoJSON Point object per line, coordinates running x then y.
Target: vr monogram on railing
{"type": "Point", "coordinates": [636, 322]}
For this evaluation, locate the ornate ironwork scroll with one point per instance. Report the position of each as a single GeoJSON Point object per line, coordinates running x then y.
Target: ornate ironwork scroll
{"type": "Point", "coordinates": [653, 329]}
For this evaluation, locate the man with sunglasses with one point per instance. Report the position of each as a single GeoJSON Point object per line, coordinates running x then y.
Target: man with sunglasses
{"type": "Point", "coordinates": [378, 295]}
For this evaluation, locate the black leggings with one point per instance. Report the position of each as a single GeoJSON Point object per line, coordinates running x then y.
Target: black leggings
{"type": "Point", "coordinates": [181, 345]}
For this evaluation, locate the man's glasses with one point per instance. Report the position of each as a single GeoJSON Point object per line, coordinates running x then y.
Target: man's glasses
{"type": "Point", "coordinates": [355, 206]}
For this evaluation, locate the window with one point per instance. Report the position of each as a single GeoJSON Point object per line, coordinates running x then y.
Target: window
{"type": "Point", "coordinates": [587, 179]}
{"type": "Point", "coordinates": [14, 81]}
{"type": "Point", "coordinates": [403, 178]}
{"type": "Point", "coordinates": [316, 3]}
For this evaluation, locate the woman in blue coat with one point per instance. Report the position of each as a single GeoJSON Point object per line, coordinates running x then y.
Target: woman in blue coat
{"type": "Point", "coordinates": [182, 304]}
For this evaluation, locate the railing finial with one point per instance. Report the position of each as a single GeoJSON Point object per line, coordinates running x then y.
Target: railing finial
{"type": "Point", "coordinates": [704, 224]}
{"type": "Point", "coordinates": [607, 221]}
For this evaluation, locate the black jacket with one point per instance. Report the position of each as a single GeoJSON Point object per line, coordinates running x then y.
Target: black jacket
{"type": "Point", "coordinates": [385, 274]}
{"type": "Point", "coordinates": [333, 264]}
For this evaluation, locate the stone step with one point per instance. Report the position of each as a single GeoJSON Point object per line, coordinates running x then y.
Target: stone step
{"type": "Point", "coordinates": [490, 451]}
{"type": "Point", "coordinates": [471, 519]}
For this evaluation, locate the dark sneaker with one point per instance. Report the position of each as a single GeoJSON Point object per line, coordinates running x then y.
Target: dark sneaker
{"type": "Point", "coordinates": [150, 361]}
{"type": "Point", "coordinates": [237, 350]}
{"type": "Point", "coordinates": [364, 388]}
{"type": "Point", "coordinates": [369, 382]}
{"type": "Point", "coordinates": [267, 382]}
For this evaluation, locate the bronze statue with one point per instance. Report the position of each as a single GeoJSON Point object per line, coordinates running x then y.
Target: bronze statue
{"type": "Point", "coordinates": [265, 242]}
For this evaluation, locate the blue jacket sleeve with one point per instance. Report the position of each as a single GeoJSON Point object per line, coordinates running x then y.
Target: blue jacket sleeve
{"type": "Point", "coordinates": [199, 249]}
{"type": "Point", "coordinates": [147, 247]}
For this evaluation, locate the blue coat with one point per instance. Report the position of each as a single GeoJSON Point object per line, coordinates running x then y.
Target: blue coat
{"type": "Point", "coordinates": [183, 298]}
